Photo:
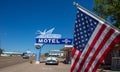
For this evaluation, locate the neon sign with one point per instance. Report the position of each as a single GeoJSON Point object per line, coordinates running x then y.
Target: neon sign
{"type": "Point", "coordinates": [46, 37]}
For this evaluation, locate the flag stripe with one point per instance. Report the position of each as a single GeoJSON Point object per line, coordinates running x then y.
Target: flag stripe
{"type": "Point", "coordinates": [73, 52]}
{"type": "Point", "coordinates": [94, 34]}
{"type": "Point", "coordinates": [91, 46]}
{"type": "Point", "coordinates": [75, 59]}
{"type": "Point", "coordinates": [98, 49]}
{"type": "Point", "coordinates": [73, 56]}
{"type": "Point", "coordinates": [115, 40]}
{"type": "Point", "coordinates": [103, 49]}
{"type": "Point", "coordinates": [95, 47]}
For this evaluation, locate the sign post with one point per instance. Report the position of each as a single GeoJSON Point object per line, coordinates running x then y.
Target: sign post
{"type": "Point", "coordinates": [38, 52]}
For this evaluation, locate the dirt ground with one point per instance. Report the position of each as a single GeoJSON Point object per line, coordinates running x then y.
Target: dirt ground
{"type": "Point", "coordinates": [18, 64]}
{"type": "Point", "coordinates": [8, 61]}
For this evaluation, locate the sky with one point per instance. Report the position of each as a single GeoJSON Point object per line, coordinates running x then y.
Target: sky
{"type": "Point", "coordinates": [20, 20]}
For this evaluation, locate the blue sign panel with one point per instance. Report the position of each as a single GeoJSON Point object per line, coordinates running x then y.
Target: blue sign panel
{"type": "Point", "coordinates": [53, 41]}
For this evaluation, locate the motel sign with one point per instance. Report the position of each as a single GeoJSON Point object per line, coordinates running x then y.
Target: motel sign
{"type": "Point", "coordinates": [53, 41]}
{"type": "Point", "coordinates": [46, 37]}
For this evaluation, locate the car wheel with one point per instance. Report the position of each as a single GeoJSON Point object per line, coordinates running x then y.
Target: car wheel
{"type": "Point", "coordinates": [57, 64]}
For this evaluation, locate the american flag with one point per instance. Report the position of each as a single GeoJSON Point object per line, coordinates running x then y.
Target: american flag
{"type": "Point", "coordinates": [93, 39]}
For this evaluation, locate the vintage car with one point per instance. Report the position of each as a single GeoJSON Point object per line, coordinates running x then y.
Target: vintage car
{"type": "Point", "coordinates": [52, 61]}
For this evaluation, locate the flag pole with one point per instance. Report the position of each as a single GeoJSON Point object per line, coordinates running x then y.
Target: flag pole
{"type": "Point", "coordinates": [103, 21]}
{"type": "Point", "coordinates": [88, 12]}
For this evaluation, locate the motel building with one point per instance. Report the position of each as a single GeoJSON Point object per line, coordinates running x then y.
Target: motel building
{"type": "Point", "coordinates": [67, 53]}
{"type": "Point", "coordinates": [112, 61]}
{"type": "Point", "coordinates": [56, 53]}
{"type": "Point", "coordinates": [113, 58]}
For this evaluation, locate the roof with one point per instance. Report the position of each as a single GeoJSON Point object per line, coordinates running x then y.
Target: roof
{"type": "Point", "coordinates": [67, 49]}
